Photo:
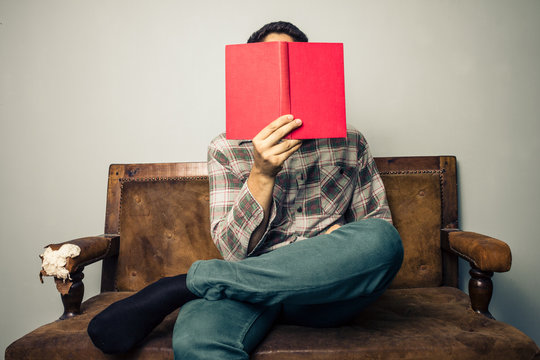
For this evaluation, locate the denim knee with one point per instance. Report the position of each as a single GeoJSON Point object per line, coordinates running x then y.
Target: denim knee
{"type": "Point", "coordinates": [199, 342]}
{"type": "Point", "coordinates": [385, 238]}
{"type": "Point", "coordinates": [186, 339]}
{"type": "Point", "coordinates": [391, 241]}
{"type": "Point", "coordinates": [213, 330]}
{"type": "Point", "coordinates": [184, 346]}
{"type": "Point", "coordinates": [195, 335]}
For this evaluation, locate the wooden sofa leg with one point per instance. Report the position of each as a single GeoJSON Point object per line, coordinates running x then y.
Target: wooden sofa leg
{"type": "Point", "coordinates": [72, 299]}
{"type": "Point", "coordinates": [480, 290]}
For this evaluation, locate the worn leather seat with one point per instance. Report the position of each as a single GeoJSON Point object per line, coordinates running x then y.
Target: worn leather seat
{"type": "Point", "coordinates": [403, 324]}
{"type": "Point", "coordinates": [157, 224]}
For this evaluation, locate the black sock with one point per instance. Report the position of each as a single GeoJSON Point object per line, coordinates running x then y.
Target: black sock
{"type": "Point", "coordinates": [125, 323]}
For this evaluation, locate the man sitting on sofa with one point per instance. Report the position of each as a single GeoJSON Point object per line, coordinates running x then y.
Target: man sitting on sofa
{"type": "Point", "coordinates": [306, 236]}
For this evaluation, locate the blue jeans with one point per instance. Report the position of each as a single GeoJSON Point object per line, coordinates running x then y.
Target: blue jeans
{"type": "Point", "coordinates": [322, 281]}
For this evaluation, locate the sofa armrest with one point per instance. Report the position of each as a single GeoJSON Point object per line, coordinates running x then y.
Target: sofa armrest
{"type": "Point", "coordinates": [486, 255]}
{"type": "Point", "coordinates": [483, 252]}
{"type": "Point", "coordinates": [92, 249]}
{"type": "Point", "coordinates": [66, 261]}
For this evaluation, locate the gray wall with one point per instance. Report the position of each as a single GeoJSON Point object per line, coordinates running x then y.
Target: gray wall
{"type": "Point", "coordinates": [89, 83]}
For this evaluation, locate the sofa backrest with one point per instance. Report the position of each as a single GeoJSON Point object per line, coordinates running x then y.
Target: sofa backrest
{"type": "Point", "coordinates": [161, 212]}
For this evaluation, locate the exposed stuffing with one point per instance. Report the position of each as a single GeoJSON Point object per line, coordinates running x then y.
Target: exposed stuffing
{"type": "Point", "coordinates": [54, 261]}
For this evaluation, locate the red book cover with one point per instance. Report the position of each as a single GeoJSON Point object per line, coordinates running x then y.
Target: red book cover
{"type": "Point", "coordinates": [269, 79]}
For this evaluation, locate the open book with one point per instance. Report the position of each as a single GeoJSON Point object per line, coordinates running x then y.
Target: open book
{"type": "Point", "coordinates": [269, 79]}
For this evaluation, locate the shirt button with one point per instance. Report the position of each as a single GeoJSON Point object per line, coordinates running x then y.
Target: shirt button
{"type": "Point", "coordinates": [299, 209]}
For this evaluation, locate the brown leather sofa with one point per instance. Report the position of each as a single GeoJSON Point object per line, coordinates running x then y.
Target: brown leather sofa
{"type": "Point", "coordinates": [157, 224]}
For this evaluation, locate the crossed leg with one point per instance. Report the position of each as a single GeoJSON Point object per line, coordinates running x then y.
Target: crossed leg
{"type": "Point", "coordinates": [322, 281]}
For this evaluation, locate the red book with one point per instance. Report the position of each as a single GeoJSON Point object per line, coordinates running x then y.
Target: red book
{"type": "Point", "coordinates": [269, 79]}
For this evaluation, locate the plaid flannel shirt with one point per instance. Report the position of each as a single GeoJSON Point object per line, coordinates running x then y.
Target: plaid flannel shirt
{"type": "Point", "coordinates": [325, 182]}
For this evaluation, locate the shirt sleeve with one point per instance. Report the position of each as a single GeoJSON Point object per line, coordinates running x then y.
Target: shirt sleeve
{"type": "Point", "coordinates": [369, 197]}
{"type": "Point", "coordinates": [234, 212]}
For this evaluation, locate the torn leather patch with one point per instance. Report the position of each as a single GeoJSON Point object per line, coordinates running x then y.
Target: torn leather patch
{"type": "Point", "coordinates": [54, 261]}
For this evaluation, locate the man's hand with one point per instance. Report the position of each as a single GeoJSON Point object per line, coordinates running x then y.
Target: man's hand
{"type": "Point", "coordinates": [332, 228]}
{"type": "Point", "coordinates": [270, 152]}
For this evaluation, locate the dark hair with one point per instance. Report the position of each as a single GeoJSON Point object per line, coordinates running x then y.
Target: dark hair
{"type": "Point", "coordinates": [278, 27]}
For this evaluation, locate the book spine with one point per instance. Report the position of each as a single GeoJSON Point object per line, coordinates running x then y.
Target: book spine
{"type": "Point", "coordinates": [284, 83]}
{"type": "Point", "coordinates": [284, 91]}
